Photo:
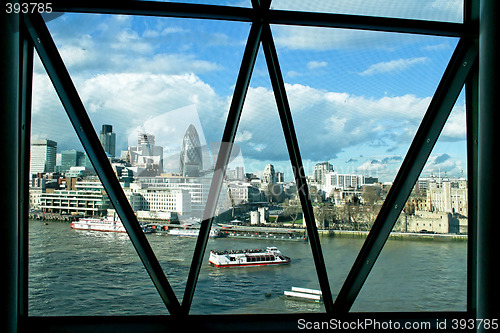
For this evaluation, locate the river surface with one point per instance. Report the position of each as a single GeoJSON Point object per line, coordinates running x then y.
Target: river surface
{"type": "Point", "coordinates": [78, 273]}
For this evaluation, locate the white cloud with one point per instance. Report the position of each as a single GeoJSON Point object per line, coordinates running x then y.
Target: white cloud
{"type": "Point", "coordinates": [112, 44]}
{"type": "Point", "coordinates": [393, 66]}
{"type": "Point", "coordinates": [444, 163]}
{"type": "Point", "coordinates": [306, 38]}
{"type": "Point", "coordinates": [455, 127]}
{"type": "Point", "coordinates": [327, 122]}
{"type": "Point", "coordinates": [316, 64]}
{"type": "Point", "coordinates": [437, 47]}
{"type": "Point", "coordinates": [128, 101]}
{"type": "Point", "coordinates": [243, 136]}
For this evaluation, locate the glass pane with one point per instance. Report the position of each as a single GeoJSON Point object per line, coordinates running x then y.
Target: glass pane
{"type": "Point", "coordinates": [364, 97]}
{"type": "Point", "coordinates": [156, 91]}
{"type": "Point", "coordinates": [75, 272]}
{"type": "Point", "coordinates": [432, 10]}
{"type": "Point", "coordinates": [423, 266]}
{"type": "Point", "coordinates": [262, 212]}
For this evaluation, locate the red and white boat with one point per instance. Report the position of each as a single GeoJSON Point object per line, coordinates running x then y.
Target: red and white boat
{"type": "Point", "coordinates": [106, 225]}
{"type": "Point", "coordinates": [235, 258]}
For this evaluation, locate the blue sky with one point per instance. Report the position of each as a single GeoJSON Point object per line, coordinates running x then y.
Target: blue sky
{"type": "Point", "coordinates": [357, 97]}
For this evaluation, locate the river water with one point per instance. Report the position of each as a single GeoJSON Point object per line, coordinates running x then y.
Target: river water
{"type": "Point", "coordinates": [77, 273]}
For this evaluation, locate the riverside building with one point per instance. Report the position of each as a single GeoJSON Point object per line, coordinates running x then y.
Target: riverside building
{"type": "Point", "coordinates": [43, 156]}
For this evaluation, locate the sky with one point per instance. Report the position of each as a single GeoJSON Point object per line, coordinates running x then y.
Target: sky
{"type": "Point", "coordinates": [357, 97]}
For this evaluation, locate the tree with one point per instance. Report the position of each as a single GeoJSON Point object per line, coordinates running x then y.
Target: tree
{"type": "Point", "coordinates": [371, 194]}
{"type": "Point", "coordinates": [293, 209]}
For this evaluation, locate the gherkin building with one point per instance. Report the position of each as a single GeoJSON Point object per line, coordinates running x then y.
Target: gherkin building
{"type": "Point", "coordinates": [191, 158]}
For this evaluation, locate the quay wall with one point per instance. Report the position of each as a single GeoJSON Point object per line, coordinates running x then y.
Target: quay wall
{"type": "Point", "coordinates": [396, 235]}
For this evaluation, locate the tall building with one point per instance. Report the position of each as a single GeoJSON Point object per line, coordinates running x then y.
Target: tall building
{"type": "Point", "coordinates": [280, 177]}
{"type": "Point", "coordinates": [43, 156]}
{"type": "Point", "coordinates": [191, 160]}
{"type": "Point", "coordinates": [335, 180]}
{"type": "Point", "coordinates": [269, 175]}
{"type": "Point", "coordinates": [449, 196]}
{"type": "Point", "coordinates": [146, 157]}
{"type": "Point", "coordinates": [71, 158]}
{"type": "Point", "coordinates": [108, 139]}
{"type": "Point", "coordinates": [320, 170]}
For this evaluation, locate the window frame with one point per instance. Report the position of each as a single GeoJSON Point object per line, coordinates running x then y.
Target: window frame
{"type": "Point", "coordinates": [462, 69]}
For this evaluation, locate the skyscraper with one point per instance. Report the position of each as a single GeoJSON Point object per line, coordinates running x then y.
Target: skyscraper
{"type": "Point", "coordinates": [191, 158]}
{"type": "Point", "coordinates": [269, 176]}
{"type": "Point", "coordinates": [108, 139]}
{"type": "Point", "coordinates": [320, 170]}
{"type": "Point", "coordinates": [43, 156]}
{"type": "Point", "coordinates": [146, 156]}
{"type": "Point", "coordinates": [71, 158]}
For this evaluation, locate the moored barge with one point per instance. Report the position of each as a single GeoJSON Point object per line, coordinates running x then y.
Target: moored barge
{"type": "Point", "coordinates": [105, 225]}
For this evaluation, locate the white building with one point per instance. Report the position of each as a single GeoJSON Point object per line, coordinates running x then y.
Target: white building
{"type": "Point", "coordinates": [449, 196]}
{"type": "Point", "coordinates": [43, 156]}
{"type": "Point", "coordinates": [146, 158]}
{"type": "Point", "coordinates": [320, 171]}
{"type": "Point", "coordinates": [269, 175]}
{"type": "Point", "coordinates": [159, 199]}
{"type": "Point", "coordinates": [242, 192]}
{"type": "Point", "coordinates": [339, 181]}
{"type": "Point", "coordinates": [92, 203]}
{"type": "Point", "coordinates": [197, 187]}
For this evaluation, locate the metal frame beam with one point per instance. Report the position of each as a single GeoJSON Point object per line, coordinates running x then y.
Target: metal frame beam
{"type": "Point", "coordinates": [290, 322]}
{"type": "Point", "coordinates": [25, 94]}
{"type": "Point", "coordinates": [435, 118]}
{"type": "Point", "coordinates": [488, 227]}
{"type": "Point", "coordinates": [296, 161]}
{"type": "Point", "coordinates": [471, 18]}
{"type": "Point", "coordinates": [9, 206]}
{"type": "Point", "coordinates": [240, 90]}
{"type": "Point", "coordinates": [429, 130]}
{"type": "Point", "coordinates": [77, 114]}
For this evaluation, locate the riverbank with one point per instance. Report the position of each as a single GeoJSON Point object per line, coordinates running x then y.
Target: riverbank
{"type": "Point", "coordinates": [396, 235]}
{"type": "Point", "coordinates": [283, 233]}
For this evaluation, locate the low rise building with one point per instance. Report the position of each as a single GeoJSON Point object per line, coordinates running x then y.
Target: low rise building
{"type": "Point", "coordinates": [159, 199]}
{"type": "Point", "coordinates": [91, 203]}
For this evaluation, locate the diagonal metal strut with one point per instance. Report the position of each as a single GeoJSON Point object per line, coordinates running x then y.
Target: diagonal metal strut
{"type": "Point", "coordinates": [296, 161]}
{"type": "Point", "coordinates": [240, 90]}
{"type": "Point", "coordinates": [77, 114]}
{"type": "Point", "coordinates": [435, 118]}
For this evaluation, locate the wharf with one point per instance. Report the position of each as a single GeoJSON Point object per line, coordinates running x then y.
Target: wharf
{"type": "Point", "coordinates": [401, 235]}
{"type": "Point", "coordinates": [250, 232]}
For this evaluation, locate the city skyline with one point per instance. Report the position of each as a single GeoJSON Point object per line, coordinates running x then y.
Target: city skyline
{"type": "Point", "coordinates": [363, 93]}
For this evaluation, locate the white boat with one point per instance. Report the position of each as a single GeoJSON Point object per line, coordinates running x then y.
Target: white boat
{"type": "Point", "coordinates": [269, 256]}
{"type": "Point", "coordinates": [186, 232]}
{"type": "Point", "coordinates": [106, 225]}
{"type": "Point", "coordinates": [304, 294]}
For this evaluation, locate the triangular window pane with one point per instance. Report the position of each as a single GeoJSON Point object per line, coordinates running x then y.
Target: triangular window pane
{"type": "Point", "coordinates": [423, 265]}
{"type": "Point", "coordinates": [264, 212]}
{"type": "Point", "coordinates": [75, 272]}
{"type": "Point", "coordinates": [431, 10]}
{"type": "Point", "coordinates": [161, 87]}
{"type": "Point", "coordinates": [357, 98]}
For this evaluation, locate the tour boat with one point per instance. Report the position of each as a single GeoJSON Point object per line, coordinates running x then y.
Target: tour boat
{"type": "Point", "coordinates": [106, 225]}
{"type": "Point", "coordinates": [186, 232]}
{"type": "Point", "coordinates": [269, 256]}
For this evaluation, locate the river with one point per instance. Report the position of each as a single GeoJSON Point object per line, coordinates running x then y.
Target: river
{"type": "Point", "coordinates": [77, 273]}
